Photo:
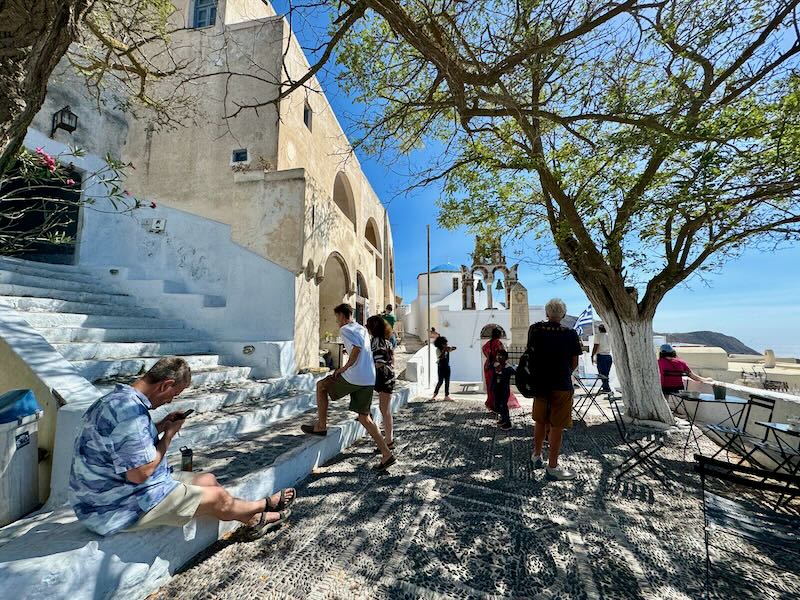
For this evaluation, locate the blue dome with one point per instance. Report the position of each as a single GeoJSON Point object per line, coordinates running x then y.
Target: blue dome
{"type": "Point", "coordinates": [446, 268]}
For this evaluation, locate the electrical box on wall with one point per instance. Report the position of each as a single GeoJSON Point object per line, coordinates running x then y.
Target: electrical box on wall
{"type": "Point", "coordinates": [154, 225]}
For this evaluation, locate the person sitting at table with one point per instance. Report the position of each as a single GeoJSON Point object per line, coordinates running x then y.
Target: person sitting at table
{"type": "Point", "coordinates": [672, 370]}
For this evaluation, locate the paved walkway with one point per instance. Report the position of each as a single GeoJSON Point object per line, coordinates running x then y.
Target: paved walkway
{"type": "Point", "coordinates": [464, 515]}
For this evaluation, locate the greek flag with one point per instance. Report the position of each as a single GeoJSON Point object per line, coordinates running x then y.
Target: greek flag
{"type": "Point", "coordinates": [584, 319]}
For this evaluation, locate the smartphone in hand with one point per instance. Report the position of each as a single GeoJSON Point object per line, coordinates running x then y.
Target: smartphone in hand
{"type": "Point", "coordinates": [183, 416]}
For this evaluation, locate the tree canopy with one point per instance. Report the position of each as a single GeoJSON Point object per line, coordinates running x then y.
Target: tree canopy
{"type": "Point", "coordinates": [650, 140]}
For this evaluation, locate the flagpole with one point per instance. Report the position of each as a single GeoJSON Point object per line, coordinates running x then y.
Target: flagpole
{"type": "Point", "coordinates": [428, 227]}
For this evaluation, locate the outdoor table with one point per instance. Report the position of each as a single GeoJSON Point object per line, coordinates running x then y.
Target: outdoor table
{"type": "Point", "coordinates": [592, 386]}
{"type": "Point", "coordinates": [787, 452]}
{"type": "Point", "coordinates": [733, 417]}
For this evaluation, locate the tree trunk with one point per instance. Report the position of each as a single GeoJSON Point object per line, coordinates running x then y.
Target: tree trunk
{"type": "Point", "coordinates": [34, 36]}
{"type": "Point", "coordinates": [637, 367]}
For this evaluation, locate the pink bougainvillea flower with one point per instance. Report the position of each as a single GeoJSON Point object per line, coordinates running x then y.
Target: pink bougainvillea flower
{"type": "Point", "coordinates": [39, 150]}
{"type": "Point", "coordinates": [152, 205]}
{"type": "Point", "coordinates": [70, 182]}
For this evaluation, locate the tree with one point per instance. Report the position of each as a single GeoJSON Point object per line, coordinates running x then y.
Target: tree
{"type": "Point", "coordinates": [646, 141]}
{"type": "Point", "coordinates": [39, 198]}
{"type": "Point", "coordinates": [121, 47]}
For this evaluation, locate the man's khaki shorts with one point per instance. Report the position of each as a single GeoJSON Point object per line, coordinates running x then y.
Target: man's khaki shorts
{"type": "Point", "coordinates": [177, 508]}
{"type": "Point", "coordinates": [360, 395]}
{"type": "Point", "coordinates": [554, 408]}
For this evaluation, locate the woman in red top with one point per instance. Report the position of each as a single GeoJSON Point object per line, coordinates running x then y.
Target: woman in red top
{"type": "Point", "coordinates": [672, 370]}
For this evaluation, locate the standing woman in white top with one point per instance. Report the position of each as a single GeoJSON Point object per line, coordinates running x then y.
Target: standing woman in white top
{"type": "Point", "coordinates": [602, 350]}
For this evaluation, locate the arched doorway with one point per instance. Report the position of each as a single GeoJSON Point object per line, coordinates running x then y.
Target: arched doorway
{"type": "Point", "coordinates": [332, 292]}
{"type": "Point", "coordinates": [362, 299]}
{"type": "Point", "coordinates": [486, 332]}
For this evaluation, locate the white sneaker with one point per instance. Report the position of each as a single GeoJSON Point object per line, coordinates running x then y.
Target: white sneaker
{"type": "Point", "coordinates": [559, 474]}
{"type": "Point", "coordinates": [538, 463]}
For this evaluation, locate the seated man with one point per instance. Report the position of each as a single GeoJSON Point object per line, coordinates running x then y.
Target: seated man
{"type": "Point", "coordinates": [120, 479]}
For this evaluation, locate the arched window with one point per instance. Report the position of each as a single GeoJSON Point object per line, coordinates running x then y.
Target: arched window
{"type": "Point", "coordinates": [372, 234]}
{"type": "Point", "coordinates": [362, 299]}
{"type": "Point", "coordinates": [343, 197]}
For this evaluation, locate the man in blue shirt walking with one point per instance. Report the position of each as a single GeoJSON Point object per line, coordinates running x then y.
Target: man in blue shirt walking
{"type": "Point", "coordinates": [120, 478]}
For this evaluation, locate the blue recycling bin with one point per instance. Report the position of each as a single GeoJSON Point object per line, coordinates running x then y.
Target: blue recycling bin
{"type": "Point", "coordinates": [19, 454]}
{"type": "Point", "coordinates": [16, 404]}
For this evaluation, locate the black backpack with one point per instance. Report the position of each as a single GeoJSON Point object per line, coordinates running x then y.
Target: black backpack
{"type": "Point", "coordinates": [525, 377]}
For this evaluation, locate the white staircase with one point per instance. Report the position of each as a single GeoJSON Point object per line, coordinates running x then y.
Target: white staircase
{"type": "Point", "coordinates": [246, 430]}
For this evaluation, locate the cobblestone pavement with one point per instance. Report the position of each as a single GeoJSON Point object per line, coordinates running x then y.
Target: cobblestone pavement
{"type": "Point", "coordinates": [464, 515]}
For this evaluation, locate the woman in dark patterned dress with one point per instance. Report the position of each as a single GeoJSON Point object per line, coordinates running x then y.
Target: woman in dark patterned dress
{"type": "Point", "coordinates": [383, 355]}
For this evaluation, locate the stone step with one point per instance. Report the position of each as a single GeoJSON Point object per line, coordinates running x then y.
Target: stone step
{"type": "Point", "coordinates": [51, 305]}
{"type": "Point", "coordinates": [208, 429]}
{"type": "Point", "coordinates": [7, 289]}
{"type": "Point", "coordinates": [54, 283]}
{"type": "Point", "coordinates": [30, 267]}
{"type": "Point", "coordinates": [106, 350]}
{"type": "Point", "coordinates": [9, 262]}
{"type": "Point", "coordinates": [51, 555]}
{"type": "Point", "coordinates": [95, 370]}
{"type": "Point", "coordinates": [126, 334]}
{"type": "Point", "coordinates": [209, 398]}
{"type": "Point", "coordinates": [213, 377]}
{"type": "Point", "coordinates": [57, 319]}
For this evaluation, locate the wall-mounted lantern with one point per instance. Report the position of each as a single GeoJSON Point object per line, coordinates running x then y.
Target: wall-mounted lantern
{"type": "Point", "coordinates": [64, 119]}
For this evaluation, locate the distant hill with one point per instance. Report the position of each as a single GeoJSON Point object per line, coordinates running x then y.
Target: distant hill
{"type": "Point", "coordinates": [711, 338]}
{"type": "Point", "coordinates": [707, 338]}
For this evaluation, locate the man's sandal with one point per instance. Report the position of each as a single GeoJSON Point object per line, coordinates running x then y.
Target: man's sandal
{"type": "Point", "coordinates": [385, 464]}
{"type": "Point", "coordinates": [378, 450]}
{"type": "Point", "coordinates": [310, 429]}
{"type": "Point", "coordinates": [283, 503]}
{"type": "Point", "coordinates": [263, 527]}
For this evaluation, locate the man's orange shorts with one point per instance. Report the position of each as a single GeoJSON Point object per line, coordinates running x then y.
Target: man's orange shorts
{"type": "Point", "coordinates": [554, 408]}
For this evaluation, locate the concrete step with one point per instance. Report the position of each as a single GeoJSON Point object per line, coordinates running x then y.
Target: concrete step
{"type": "Point", "coordinates": [51, 556]}
{"type": "Point", "coordinates": [105, 350]}
{"type": "Point", "coordinates": [7, 289]}
{"type": "Point", "coordinates": [30, 267]}
{"type": "Point", "coordinates": [95, 370]}
{"type": "Point", "coordinates": [57, 319]}
{"type": "Point", "coordinates": [10, 262]}
{"type": "Point", "coordinates": [55, 283]}
{"type": "Point", "coordinates": [254, 415]}
{"type": "Point", "coordinates": [126, 334]}
{"type": "Point", "coordinates": [53, 305]}
{"type": "Point", "coordinates": [244, 392]}
{"type": "Point", "coordinates": [213, 377]}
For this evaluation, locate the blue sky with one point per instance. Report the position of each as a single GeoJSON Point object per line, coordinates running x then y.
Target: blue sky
{"type": "Point", "coordinates": [755, 298]}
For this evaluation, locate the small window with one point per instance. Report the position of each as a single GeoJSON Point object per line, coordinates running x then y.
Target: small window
{"type": "Point", "coordinates": [205, 13]}
{"type": "Point", "coordinates": [308, 115]}
{"type": "Point", "coordinates": [239, 155]}
{"type": "Point", "coordinates": [455, 283]}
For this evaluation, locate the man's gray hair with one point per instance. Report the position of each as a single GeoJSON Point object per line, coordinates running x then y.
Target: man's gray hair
{"type": "Point", "coordinates": [170, 367]}
{"type": "Point", "coordinates": [556, 308]}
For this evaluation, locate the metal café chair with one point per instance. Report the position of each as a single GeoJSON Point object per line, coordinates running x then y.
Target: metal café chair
{"type": "Point", "coordinates": [583, 403]}
{"type": "Point", "coordinates": [777, 534]}
{"type": "Point", "coordinates": [736, 438]}
{"type": "Point", "coordinates": [642, 449]}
